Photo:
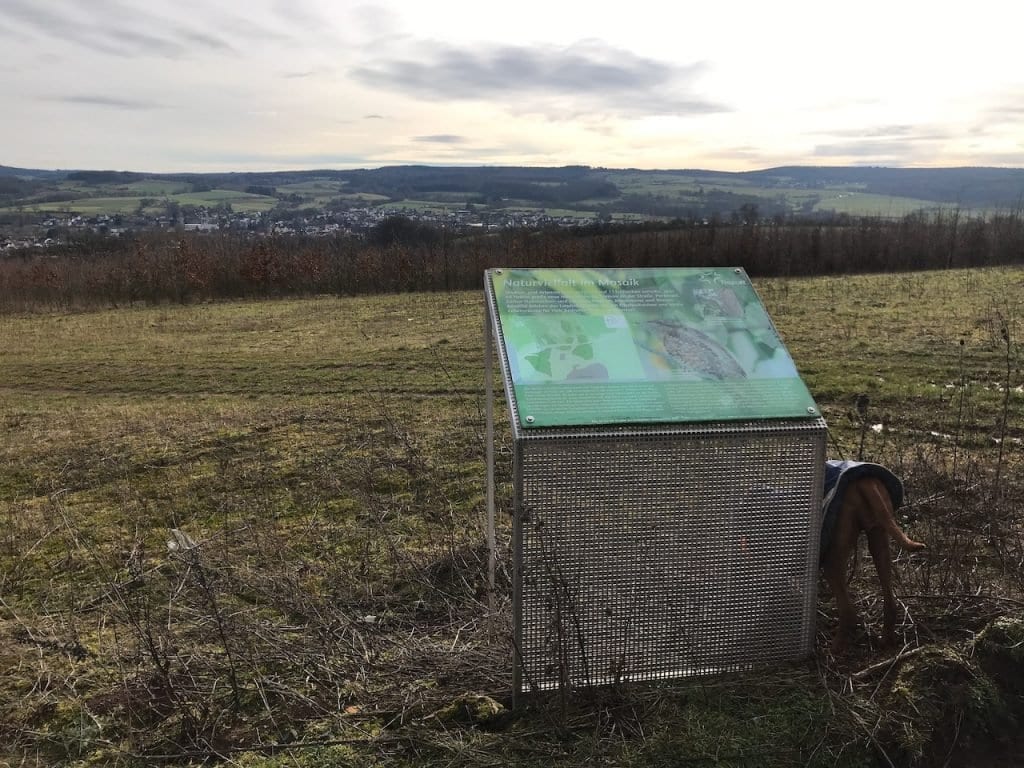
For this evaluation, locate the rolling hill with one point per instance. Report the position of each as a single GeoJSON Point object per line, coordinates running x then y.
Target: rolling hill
{"type": "Point", "coordinates": [598, 192]}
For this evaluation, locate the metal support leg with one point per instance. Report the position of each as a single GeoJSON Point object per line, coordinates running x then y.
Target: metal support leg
{"type": "Point", "coordinates": [489, 380]}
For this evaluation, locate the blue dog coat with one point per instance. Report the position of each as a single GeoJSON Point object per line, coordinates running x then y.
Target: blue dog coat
{"type": "Point", "coordinates": [838, 475]}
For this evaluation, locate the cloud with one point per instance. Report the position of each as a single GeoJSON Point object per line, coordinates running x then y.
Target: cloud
{"type": "Point", "coordinates": [309, 73]}
{"type": "Point", "coordinates": [866, 148]}
{"type": "Point", "coordinates": [375, 22]}
{"type": "Point", "coordinates": [107, 101]}
{"type": "Point", "coordinates": [129, 42]}
{"type": "Point", "coordinates": [890, 144]}
{"type": "Point", "coordinates": [113, 28]}
{"type": "Point", "coordinates": [1002, 116]}
{"type": "Point", "coordinates": [441, 138]}
{"type": "Point", "coordinates": [50, 24]}
{"type": "Point", "coordinates": [9, 32]}
{"type": "Point", "coordinates": [587, 77]}
{"type": "Point", "coordinates": [890, 130]}
{"type": "Point", "coordinates": [245, 28]}
{"type": "Point", "coordinates": [917, 147]}
{"type": "Point", "coordinates": [1007, 111]}
{"type": "Point", "coordinates": [744, 152]}
{"type": "Point", "coordinates": [204, 40]}
{"type": "Point", "coordinates": [906, 133]}
{"type": "Point", "coordinates": [878, 131]}
{"type": "Point", "coordinates": [272, 160]}
{"type": "Point", "coordinates": [1012, 159]}
{"type": "Point", "coordinates": [300, 13]}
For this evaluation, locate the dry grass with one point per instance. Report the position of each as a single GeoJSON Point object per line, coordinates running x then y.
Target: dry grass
{"type": "Point", "coordinates": [252, 533]}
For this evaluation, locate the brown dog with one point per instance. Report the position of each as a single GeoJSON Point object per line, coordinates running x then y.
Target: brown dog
{"type": "Point", "coordinates": [865, 505]}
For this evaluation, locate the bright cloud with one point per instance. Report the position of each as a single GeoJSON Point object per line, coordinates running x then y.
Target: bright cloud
{"type": "Point", "coordinates": [273, 84]}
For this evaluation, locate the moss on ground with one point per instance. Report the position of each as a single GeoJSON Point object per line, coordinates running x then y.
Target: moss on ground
{"type": "Point", "coordinates": [961, 700]}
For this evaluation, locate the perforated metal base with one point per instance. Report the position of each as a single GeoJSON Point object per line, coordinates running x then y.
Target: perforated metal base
{"type": "Point", "coordinates": [662, 554]}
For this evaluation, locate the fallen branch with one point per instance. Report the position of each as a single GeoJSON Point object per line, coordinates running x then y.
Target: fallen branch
{"type": "Point", "coordinates": [888, 664]}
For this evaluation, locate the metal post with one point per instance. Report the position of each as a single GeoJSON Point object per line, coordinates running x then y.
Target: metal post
{"type": "Point", "coordinates": [489, 386]}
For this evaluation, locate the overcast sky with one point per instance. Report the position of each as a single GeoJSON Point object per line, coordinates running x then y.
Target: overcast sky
{"type": "Point", "coordinates": [208, 85]}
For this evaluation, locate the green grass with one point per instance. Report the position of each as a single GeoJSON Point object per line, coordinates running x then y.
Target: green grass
{"type": "Point", "coordinates": [156, 188]}
{"type": "Point", "coordinates": [327, 455]}
{"type": "Point", "coordinates": [322, 192]}
{"type": "Point", "coordinates": [317, 188]}
{"type": "Point", "coordinates": [364, 197]}
{"type": "Point", "coordinates": [93, 205]}
{"type": "Point", "coordinates": [686, 185]}
{"type": "Point", "coordinates": [239, 201]}
{"type": "Point", "coordinates": [427, 205]}
{"type": "Point", "coordinates": [568, 213]}
{"type": "Point", "coordinates": [864, 204]}
{"type": "Point", "coordinates": [665, 184]}
{"type": "Point", "coordinates": [523, 207]}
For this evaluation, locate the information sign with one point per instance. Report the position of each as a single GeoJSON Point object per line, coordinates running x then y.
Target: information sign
{"type": "Point", "coordinates": [592, 346]}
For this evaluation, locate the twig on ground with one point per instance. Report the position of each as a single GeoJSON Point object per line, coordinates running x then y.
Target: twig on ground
{"type": "Point", "coordinates": [887, 664]}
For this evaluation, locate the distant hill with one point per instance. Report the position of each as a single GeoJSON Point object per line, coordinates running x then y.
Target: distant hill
{"type": "Point", "coordinates": [7, 171]}
{"type": "Point", "coordinates": [965, 186]}
{"type": "Point", "coordinates": [580, 190]}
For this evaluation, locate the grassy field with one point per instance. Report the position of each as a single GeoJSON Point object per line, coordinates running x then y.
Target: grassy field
{"type": "Point", "coordinates": [552, 212]}
{"type": "Point", "coordinates": [144, 188]}
{"type": "Point", "coordinates": [91, 206]}
{"type": "Point", "coordinates": [364, 197]}
{"type": "Point", "coordinates": [156, 187]}
{"type": "Point", "coordinates": [316, 188]}
{"type": "Point", "coordinates": [129, 203]}
{"type": "Point", "coordinates": [686, 185]}
{"type": "Point", "coordinates": [428, 205]}
{"type": "Point", "coordinates": [840, 198]}
{"type": "Point", "coordinates": [252, 533]}
{"type": "Point", "coordinates": [321, 192]}
{"type": "Point", "coordinates": [239, 201]}
{"type": "Point", "coordinates": [864, 204]}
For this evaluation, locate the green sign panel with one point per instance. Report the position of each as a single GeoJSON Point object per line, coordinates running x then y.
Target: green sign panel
{"type": "Point", "coordinates": [591, 346]}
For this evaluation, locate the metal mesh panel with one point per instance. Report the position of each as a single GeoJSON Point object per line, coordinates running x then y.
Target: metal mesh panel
{"type": "Point", "coordinates": [642, 557]}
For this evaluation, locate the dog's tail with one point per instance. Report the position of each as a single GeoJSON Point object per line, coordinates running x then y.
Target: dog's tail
{"type": "Point", "coordinates": [876, 499]}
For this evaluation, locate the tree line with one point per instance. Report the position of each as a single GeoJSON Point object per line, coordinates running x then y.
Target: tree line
{"type": "Point", "coordinates": [157, 268]}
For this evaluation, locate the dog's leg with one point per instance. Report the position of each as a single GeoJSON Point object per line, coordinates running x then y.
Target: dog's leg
{"type": "Point", "coordinates": [878, 545]}
{"type": "Point", "coordinates": [879, 521]}
{"type": "Point", "coordinates": [835, 569]}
